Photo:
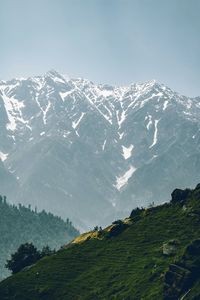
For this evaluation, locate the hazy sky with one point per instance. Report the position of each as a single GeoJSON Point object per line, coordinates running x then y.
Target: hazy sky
{"type": "Point", "coordinates": [106, 41]}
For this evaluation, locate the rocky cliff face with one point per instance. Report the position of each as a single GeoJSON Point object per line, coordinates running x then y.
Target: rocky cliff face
{"type": "Point", "coordinates": [182, 275]}
{"type": "Point", "coordinates": [95, 151]}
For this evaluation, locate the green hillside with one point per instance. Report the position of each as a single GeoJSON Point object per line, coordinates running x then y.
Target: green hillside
{"type": "Point", "coordinates": [20, 224]}
{"type": "Point", "coordinates": [154, 254]}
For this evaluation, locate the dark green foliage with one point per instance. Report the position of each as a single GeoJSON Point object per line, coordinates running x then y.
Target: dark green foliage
{"type": "Point", "coordinates": [19, 225]}
{"type": "Point", "coordinates": [136, 212]}
{"type": "Point", "coordinates": [118, 227]}
{"type": "Point", "coordinates": [46, 251]}
{"type": "Point", "coordinates": [129, 266]}
{"type": "Point", "coordinates": [26, 255]}
{"type": "Point", "coordinates": [98, 228]}
{"type": "Point", "coordinates": [117, 222]}
{"type": "Point", "coordinates": [193, 248]}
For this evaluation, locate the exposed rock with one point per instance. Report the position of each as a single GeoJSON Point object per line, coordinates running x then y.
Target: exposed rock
{"type": "Point", "coordinates": [170, 247]}
{"type": "Point", "coordinates": [128, 221]}
{"type": "Point", "coordinates": [177, 281]}
{"type": "Point", "coordinates": [179, 196]}
{"type": "Point", "coordinates": [181, 276]}
{"type": "Point", "coordinates": [136, 213]}
{"type": "Point", "coordinates": [117, 228]}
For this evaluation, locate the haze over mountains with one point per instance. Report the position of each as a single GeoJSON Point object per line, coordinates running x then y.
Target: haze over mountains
{"type": "Point", "coordinates": [93, 152]}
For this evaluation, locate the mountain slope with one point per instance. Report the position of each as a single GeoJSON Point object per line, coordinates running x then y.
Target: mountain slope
{"type": "Point", "coordinates": [154, 254]}
{"type": "Point", "coordinates": [8, 182]}
{"type": "Point", "coordinates": [19, 225]}
{"type": "Point", "coordinates": [74, 144]}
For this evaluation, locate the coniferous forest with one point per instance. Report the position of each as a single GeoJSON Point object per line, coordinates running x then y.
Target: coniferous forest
{"type": "Point", "coordinates": [20, 224]}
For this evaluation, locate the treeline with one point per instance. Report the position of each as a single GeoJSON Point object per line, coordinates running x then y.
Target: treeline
{"type": "Point", "coordinates": [20, 224]}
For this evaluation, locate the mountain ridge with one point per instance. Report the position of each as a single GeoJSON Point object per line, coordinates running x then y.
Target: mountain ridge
{"type": "Point", "coordinates": [103, 143]}
{"type": "Point", "coordinates": [152, 254]}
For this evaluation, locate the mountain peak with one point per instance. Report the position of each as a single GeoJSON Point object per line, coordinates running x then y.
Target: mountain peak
{"type": "Point", "coordinates": [56, 76]}
{"type": "Point", "coordinates": [53, 73]}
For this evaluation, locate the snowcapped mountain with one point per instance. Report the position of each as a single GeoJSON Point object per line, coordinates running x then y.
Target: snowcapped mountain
{"type": "Point", "coordinates": [94, 151]}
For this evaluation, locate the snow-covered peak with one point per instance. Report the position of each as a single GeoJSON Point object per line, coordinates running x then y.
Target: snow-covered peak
{"type": "Point", "coordinates": [104, 136]}
{"type": "Point", "coordinates": [53, 73]}
{"type": "Point", "coordinates": [114, 103]}
{"type": "Point", "coordinates": [100, 90]}
{"type": "Point", "coordinates": [56, 77]}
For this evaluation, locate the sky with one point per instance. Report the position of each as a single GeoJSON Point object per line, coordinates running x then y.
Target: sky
{"type": "Point", "coordinates": [106, 41]}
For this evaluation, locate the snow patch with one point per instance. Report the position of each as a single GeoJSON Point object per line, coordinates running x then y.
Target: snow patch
{"type": "Point", "coordinates": [149, 117]}
{"type": "Point", "coordinates": [63, 95]}
{"type": "Point", "coordinates": [155, 134]}
{"type": "Point", "coordinates": [127, 151]}
{"type": "Point", "coordinates": [165, 104]}
{"type": "Point", "coordinates": [66, 133]}
{"type": "Point", "coordinates": [76, 123]}
{"type": "Point", "coordinates": [121, 135]}
{"type": "Point", "coordinates": [13, 108]}
{"type": "Point", "coordinates": [3, 156]}
{"type": "Point", "coordinates": [123, 180]}
{"type": "Point", "coordinates": [45, 113]}
{"type": "Point", "coordinates": [106, 93]}
{"type": "Point", "coordinates": [59, 80]}
{"type": "Point", "coordinates": [9, 109]}
{"type": "Point", "coordinates": [103, 147]}
{"type": "Point", "coordinates": [91, 102]}
{"type": "Point", "coordinates": [122, 119]}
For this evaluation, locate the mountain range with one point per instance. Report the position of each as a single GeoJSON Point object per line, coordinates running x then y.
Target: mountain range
{"type": "Point", "coordinates": [95, 151]}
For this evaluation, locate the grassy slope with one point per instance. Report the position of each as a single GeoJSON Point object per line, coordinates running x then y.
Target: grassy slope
{"type": "Point", "coordinates": [128, 266]}
{"type": "Point", "coordinates": [19, 224]}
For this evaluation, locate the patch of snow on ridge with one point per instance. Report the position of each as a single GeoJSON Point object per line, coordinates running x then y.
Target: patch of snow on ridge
{"type": "Point", "coordinates": [127, 151]}
{"type": "Point", "coordinates": [103, 147]}
{"type": "Point", "coordinates": [105, 93]}
{"type": "Point", "coordinates": [165, 104]}
{"type": "Point", "coordinates": [3, 156]}
{"type": "Point", "coordinates": [45, 113]}
{"type": "Point", "coordinates": [39, 82]}
{"type": "Point", "coordinates": [123, 180]}
{"type": "Point", "coordinates": [155, 134]}
{"type": "Point", "coordinates": [12, 107]}
{"type": "Point", "coordinates": [121, 135]}
{"type": "Point", "coordinates": [59, 80]}
{"type": "Point", "coordinates": [121, 118]}
{"type": "Point", "coordinates": [91, 102]}
{"type": "Point", "coordinates": [63, 95]}
{"type": "Point", "coordinates": [75, 124]}
{"type": "Point", "coordinates": [149, 117]}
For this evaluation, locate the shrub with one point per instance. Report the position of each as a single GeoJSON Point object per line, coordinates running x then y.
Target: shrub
{"type": "Point", "coordinates": [26, 255]}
